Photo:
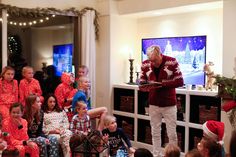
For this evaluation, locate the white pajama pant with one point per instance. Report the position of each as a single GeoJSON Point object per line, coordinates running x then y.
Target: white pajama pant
{"type": "Point", "coordinates": [170, 116]}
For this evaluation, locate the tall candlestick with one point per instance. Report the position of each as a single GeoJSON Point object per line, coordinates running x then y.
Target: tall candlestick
{"type": "Point", "coordinates": [131, 68]}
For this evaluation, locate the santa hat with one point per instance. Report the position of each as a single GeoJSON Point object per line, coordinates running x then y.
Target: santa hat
{"type": "Point", "coordinates": [214, 130]}
{"type": "Point", "coordinates": [229, 105]}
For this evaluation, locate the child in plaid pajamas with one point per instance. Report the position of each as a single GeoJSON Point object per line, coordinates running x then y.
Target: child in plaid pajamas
{"type": "Point", "coordinates": [80, 125]}
{"type": "Point", "coordinates": [80, 122]}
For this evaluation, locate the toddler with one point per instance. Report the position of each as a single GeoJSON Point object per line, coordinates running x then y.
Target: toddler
{"type": "Point", "coordinates": [80, 122]}
{"type": "Point", "coordinates": [115, 137]}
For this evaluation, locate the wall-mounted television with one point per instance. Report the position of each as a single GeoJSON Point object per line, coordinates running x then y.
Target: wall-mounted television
{"type": "Point", "coordinates": [62, 58]}
{"type": "Point", "coordinates": [189, 51]}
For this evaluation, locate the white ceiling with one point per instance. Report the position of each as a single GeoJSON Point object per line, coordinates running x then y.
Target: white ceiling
{"type": "Point", "coordinates": [178, 10]}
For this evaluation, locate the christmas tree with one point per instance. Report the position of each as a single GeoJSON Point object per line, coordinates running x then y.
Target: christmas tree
{"type": "Point", "coordinates": [15, 58]}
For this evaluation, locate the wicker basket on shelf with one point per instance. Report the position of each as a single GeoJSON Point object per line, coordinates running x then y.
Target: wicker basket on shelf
{"type": "Point", "coordinates": [207, 113]}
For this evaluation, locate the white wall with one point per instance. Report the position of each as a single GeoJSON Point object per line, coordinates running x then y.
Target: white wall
{"type": "Point", "coordinates": [135, 6]}
{"type": "Point", "coordinates": [42, 44]}
{"type": "Point", "coordinates": [103, 86]}
{"type": "Point", "coordinates": [229, 48]}
{"type": "Point", "coordinates": [117, 36]}
{"type": "Point", "coordinates": [208, 23]}
{"type": "Point", "coordinates": [123, 42]}
{"type": "Point", "coordinates": [229, 56]}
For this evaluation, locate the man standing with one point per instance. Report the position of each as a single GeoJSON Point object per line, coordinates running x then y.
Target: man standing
{"type": "Point", "coordinates": [160, 75]}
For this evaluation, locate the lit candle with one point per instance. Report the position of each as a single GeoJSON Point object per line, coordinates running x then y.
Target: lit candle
{"type": "Point", "coordinates": [131, 55]}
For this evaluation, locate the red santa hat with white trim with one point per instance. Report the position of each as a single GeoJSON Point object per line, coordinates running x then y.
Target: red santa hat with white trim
{"type": "Point", "coordinates": [214, 130]}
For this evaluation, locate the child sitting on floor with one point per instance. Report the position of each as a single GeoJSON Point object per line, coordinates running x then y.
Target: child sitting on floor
{"type": "Point", "coordinates": [16, 126]}
{"type": "Point", "coordinates": [80, 124]}
{"type": "Point", "coordinates": [172, 150]}
{"type": "Point", "coordinates": [55, 123]}
{"type": "Point", "coordinates": [115, 137]}
{"type": "Point", "coordinates": [28, 85]}
{"type": "Point", "coordinates": [209, 148]}
{"type": "Point", "coordinates": [215, 130]}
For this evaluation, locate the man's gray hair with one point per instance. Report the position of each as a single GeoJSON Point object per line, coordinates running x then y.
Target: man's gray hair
{"type": "Point", "coordinates": [151, 49]}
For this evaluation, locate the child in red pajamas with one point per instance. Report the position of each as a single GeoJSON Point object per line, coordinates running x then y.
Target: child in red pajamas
{"type": "Point", "coordinates": [17, 128]}
{"type": "Point", "coordinates": [8, 90]}
{"type": "Point", "coordinates": [29, 85]}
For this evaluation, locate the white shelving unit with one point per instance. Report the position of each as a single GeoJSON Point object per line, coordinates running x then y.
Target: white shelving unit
{"type": "Point", "coordinates": [192, 99]}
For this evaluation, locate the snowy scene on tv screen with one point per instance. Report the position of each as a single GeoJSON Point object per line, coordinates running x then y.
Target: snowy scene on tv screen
{"type": "Point", "coordinates": [190, 52]}
{"type": "Point", "coordinates": [62, 58]}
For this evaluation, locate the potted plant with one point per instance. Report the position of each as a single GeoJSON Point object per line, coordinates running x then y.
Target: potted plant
{"type": "Point", "coordinates": [227, 91]}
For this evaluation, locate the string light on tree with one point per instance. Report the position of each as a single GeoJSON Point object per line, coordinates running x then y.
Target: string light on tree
{"type": "Point", "coordinates": [14, 44]}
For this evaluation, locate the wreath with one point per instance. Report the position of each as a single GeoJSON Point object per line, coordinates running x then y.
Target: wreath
{"type": "Point", "coordinates": [41, 12]}
{"type": "Point", "coordinates": [227, 90]}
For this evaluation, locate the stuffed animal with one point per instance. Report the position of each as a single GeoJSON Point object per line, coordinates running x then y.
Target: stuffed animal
{"type": "Point", "coordinates": [209, 74]}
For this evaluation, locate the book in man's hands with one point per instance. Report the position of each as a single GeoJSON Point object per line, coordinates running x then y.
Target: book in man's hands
{"type": "Point", "coordinates": [149, 85]}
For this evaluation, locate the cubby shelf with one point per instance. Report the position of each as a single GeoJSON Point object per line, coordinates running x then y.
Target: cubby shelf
{"type": "Point", "coordinates": [189, 128]}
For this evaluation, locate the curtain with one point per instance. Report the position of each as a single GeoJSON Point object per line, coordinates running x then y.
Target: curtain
{"type": "Point", "coordinates": [88, 48]}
